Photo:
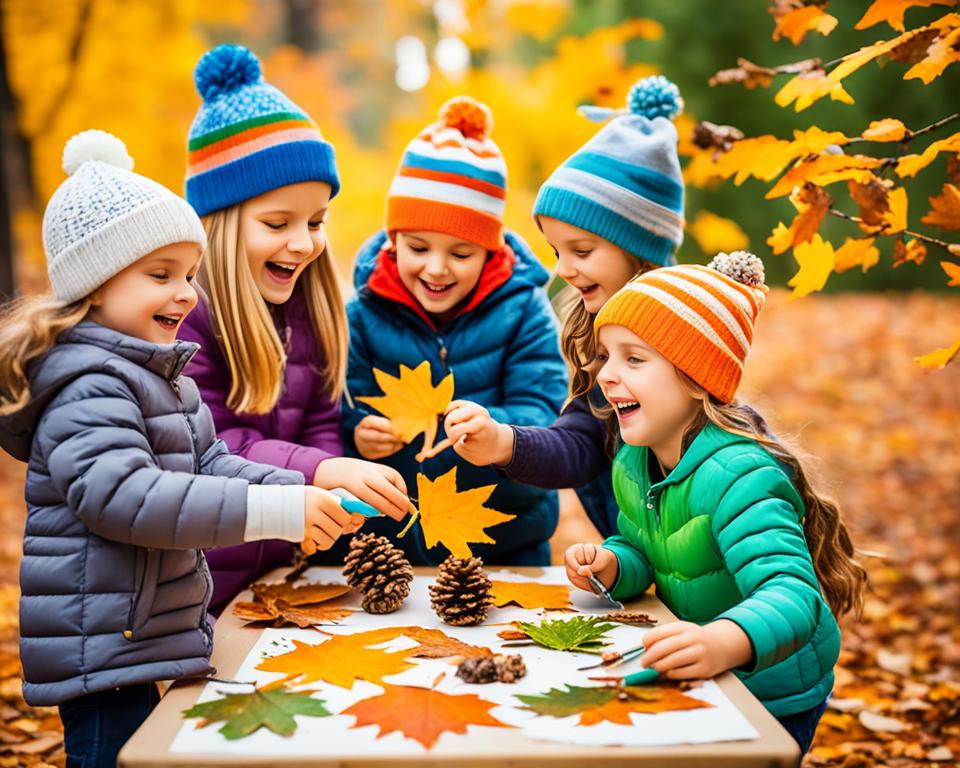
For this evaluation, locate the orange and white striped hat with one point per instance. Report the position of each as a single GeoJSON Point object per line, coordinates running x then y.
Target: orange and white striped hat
{"type": "Point", "coordinates": [700, 318]}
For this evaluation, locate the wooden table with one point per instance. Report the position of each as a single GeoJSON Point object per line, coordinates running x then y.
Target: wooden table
{"type": "Point", "coordinates": [150, 745]}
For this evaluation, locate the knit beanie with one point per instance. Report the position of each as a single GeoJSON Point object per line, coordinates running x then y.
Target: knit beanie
{"type": "Point", "coordinates": [248, 138]}
{"type": "Point", "coordinates": [700, 318]}
{"type": "Point", "coordinates": [104, 217]}
{"type": "Point", "coordinates": [452, 178]}
{"type": "Point", "coordinates": [624, 184]}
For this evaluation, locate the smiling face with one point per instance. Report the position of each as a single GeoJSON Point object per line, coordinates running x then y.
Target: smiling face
{"type": "Point", "coordinates": [653, 407]}
{"type": "Point", "coordinates": [282, 232]}
{"type": "Point", "coordinates": [150, 298]}
{"type": "Point", "coordinates": [440, 270]}
{"type": "Point", "coordinates": [595, 267]}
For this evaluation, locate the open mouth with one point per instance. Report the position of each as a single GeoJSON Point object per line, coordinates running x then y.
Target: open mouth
{"type": "Point", "coordinates": [169, 322]}
{"type": "Point", "coordinates": [436, 289]}
{"type": "Point", "coordinates": [627, 407]}
{"type": "Point", "coordinates": [589, 290]}
{"type": "Point", "coordinates": [281, 272]}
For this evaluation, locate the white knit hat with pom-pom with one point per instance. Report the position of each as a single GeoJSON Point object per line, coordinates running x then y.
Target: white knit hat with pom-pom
{"type": "Point", "coordinates": [105, 217]}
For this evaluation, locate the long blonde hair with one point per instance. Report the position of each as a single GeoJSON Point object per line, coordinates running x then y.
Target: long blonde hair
{"type": "Point", "coordinates": [29, 327]}
{"type": "Point", "coordinates": [244, 329]}
{"type": "Point", "coordinates": [579, 346]}
{"type": "Point", "coordinates": [841, 577]}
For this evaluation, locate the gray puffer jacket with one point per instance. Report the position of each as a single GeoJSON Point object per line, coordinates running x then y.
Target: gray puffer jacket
{"type": "Point", "coordinates": [126, 482]}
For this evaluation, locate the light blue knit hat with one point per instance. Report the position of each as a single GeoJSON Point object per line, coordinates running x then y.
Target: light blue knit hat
{"type": "Point", "coordinates": [625, 184]}
{"type": "Point", "coordinates": [248, 138]}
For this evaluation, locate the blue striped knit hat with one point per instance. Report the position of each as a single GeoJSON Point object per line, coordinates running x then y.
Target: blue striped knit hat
{"type": "Point", "coordinates": [624, 184]}
{"type": "Point", "coordinates": [248, 138]}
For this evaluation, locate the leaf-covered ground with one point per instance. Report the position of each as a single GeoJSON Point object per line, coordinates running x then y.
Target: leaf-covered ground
{"type": "Point", "coordinates": [836, 373]}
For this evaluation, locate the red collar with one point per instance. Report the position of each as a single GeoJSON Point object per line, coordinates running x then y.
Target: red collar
{"type": "Point", "coordinates": [385, 281]}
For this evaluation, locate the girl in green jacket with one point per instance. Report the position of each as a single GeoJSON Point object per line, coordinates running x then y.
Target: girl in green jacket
{"type": "Point", "coordinates": [713, 510]}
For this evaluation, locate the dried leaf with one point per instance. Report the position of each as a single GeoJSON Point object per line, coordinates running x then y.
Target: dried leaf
{"type": "Point", "coordinates": [581, 634]}
{"type": "Point", "coordinates": [304, 594]}
{"type": "Point", "coordinates": [794, 22]}
{"type": "Point", "coordinates": [422, 714]}
{"type": "Point", "coordinates": [455, 518]}
{"type": "Point", "coordinates": [631, 617]}
{"type": "Point", "coordinates": [873, 199]}
{"type": "Point", "coordinates": [913, 250]}
{"type": "Point", "coordinates": [816, 260]}
{"type": "Point", "coordinates": [824, 170]}
{"type": "Point", "coordinates": [340, 660]}
{"type": "Point", "coordinates": [529, 594]}
{"type": "Point", "coordinates": [875, 722]}
{"type": "Point", "coordinates": [433, 643]}
{"type": "Point", "coordinates": [891, 11]}
{"type": "Point", "coordinates": [609, 704]}
{"type": "Point", "coordinates": [746, 72]}
{"type": "Point", "coordinates": [941, 53]}
{"type": "Point", "coordinates": [244, 713]}
{"type": "Point", "coordinates": [812, 203]}
{"type": "Point", "coordinates": [411, 402]}
{"type": "Point", "coordinates": [888, 129]}
{"type": "Point", "coordinates": [946, 209]}
{"type": "Point", "coordinates": [284, 603]}
{"type": "Point", "coordinates": [856, 253]}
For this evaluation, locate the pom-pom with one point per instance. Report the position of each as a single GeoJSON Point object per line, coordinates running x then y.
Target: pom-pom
{"type": "Point", "coordinates": [95, 145]}
{"type": "Point", "coordinates": [468, 116]}
{"type": "Point", "coordinates": [741, 266]}
{"type": "Point", "coordinates": [655, 96]}
{"type": "Point", "coordinates": [224, 69]}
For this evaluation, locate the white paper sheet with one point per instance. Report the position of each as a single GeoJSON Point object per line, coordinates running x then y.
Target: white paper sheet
{"type": "Point", "coordinates": [333, 737]}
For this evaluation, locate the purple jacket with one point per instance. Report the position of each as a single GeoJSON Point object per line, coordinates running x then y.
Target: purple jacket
{"type": "Point", "coordinates": [302, 430]}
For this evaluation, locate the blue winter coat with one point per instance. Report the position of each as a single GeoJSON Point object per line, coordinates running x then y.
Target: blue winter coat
{"type": "Point", "coordinates": [126, 482]}
{"type": "Point", "coordinates": [504, 353]}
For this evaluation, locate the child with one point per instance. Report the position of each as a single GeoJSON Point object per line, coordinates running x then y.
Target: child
{"type": "Point", "coordinates": [125, 476]}
{"type": "Point", "coordinates": [271, 321]}
{"type": "Point", "coordinates": [446, 284]}
{"type": "Point", "coordinates": [714, 512]}
{"type": "Point", "coordinates": [611, 211]}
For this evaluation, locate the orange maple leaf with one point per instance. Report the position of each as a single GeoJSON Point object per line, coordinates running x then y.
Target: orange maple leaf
{"type": "Point", "coordinates": [891, 11]}
{"type": "Point", "coordinates": [422, 714]}
{"type": "Point", "coordinates": [812, 203]}
{"type": "Point", "coordinates": [941, 53]}
{"type": "Point", "coordinates": [796, 22]}
{"type": "Point", "coordinates": [953, 272]}
{"type": "Point", "coordinates": [455, 518]}
{"type": "Point", "coordinates": [530, 594]}
{"type": "Point", "coordinates": [411, 402]}
{"type": "Point", "coordinates": [910, 165]}
{"type": "Point", "coordinates": [824, 170]}
{"type": "Point", "coordinates": [946, 209]}
{"type": "Point", "coordinates": [888, 129]}
{"type": "Point", "coordinates": [913, 250]}
{"type": "Point", "coordinates": [340, 660]}
{"type": "Point", "coordinates": [856, 253]}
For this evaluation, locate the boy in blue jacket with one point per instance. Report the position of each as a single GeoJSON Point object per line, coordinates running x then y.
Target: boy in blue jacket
{"type": "Point", "coordinates": [445, 283]}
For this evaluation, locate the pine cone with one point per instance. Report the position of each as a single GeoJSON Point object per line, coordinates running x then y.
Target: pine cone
{"type": "Point", "coordinates": [379, 570]}
{"type": "Point", "coordinates": [492, 669]}
{"type": "Point", "coordinates": [462, 593]}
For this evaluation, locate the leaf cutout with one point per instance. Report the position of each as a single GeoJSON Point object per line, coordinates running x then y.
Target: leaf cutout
{"type": "Point", "coordinates": [946, 209]}
{"type": "Point", "coordinates": [411, 402]}
{"type": "Point", "coordinates": [422, 714]}
{"type": "Point", "coordinates": [888, 129]}
{"type": "Point", "coordinates": [794, 23]}
{"type": "Point", "coordinates": [433, 643]}
{"type": "Point", "coordinates": [939, 358]}
{"type": "Point", "coordinates": [455, 518]}
{"type": "Point", "coordinates": [244, 713]}
{"type": "Point", "coordinates": [609, 704]}
{"type": "Point", "coordinates": [582, 634]}
{"type": "Point", "coordinates": [891, 12]}
{"type": "Point", "coordinates": [816, 260]}
{"type": "Point", "coordinates": [530, 594]}
{"type": "Point", "coordinates": [341, 660]}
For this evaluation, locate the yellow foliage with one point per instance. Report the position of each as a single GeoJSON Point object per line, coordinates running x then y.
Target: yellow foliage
{"type": "Point", "coordinates": [910, 165]}
{"type": "Point", "coordinates": [939, 358]}
{"type": "Point", "coordinates": [888, 129]}
{"type": "Point", "coordinates": [856, 253]}
{"type": "Point", "coordinates": [891, 11]}
{"type": "Point", "coordinates": [806, 88]}
{"type": "Point", "coordinates": [946, 209]}
{"type": "Point", "coordinates": [796, 23]}
{"type": "Point", "coordinates": [942, 53]}
{"type": "Point", "coordinates": [715, 233]}
{"type": "Point", "coordinates": [816, 260]}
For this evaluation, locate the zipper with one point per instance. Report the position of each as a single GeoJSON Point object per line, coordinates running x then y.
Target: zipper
{"type": "Point", "coordinates": [193, 435]}
{"type": "Point", "coordinates": [138, 594]}
{"type": "Point", "coordinates": [443, 353]}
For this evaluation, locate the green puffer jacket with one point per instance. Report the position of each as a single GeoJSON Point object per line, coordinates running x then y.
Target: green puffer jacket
{"type": "Point", "coordinates": [721, 538]}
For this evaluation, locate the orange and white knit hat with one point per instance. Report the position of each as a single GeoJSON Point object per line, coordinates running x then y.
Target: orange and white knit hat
{"type": "Point", "coordinates": [700, 318]}
{"type": "Point", "coordinates": [452, 178]}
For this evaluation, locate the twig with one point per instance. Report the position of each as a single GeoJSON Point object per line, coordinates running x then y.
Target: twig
{"type": "Point", "coordinates": [911, 233]}
{"type": "Point", "coordinates": [911, 135]}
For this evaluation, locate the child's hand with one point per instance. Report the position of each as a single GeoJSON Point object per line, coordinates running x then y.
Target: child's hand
{"type": "Point", "coordinates": [476, 436]}
{"type": "Point", "coordinates": [380, 486]}
{"type": "Point", "coordinates": [682, 650]}
{"type": "Point", "coordinates": [324, 520]}
{"type": "Point", "coordinates": [583, 559]}
{"type": "Point", "coordinates": [375, 439]}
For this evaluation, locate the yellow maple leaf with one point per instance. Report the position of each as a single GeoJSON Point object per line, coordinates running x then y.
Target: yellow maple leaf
{"type": "Point", "coordinates": [808, 87]}
{"type": "Point", "coordinates": [891, 11]}
{"type": "Point", "coordinates": [910, 165]}
{"type": "Point", "coordinates": [816, 260]}
{"type": "Point", "coordinates": [939, 358]}
{"type": "Point", "coordinates": [411, 402]}
{"type": "Point", "coordinates": [824, 170]}
{"type": "Point", "coordinates": [856, 252]}
{"type": "Point", "coordinates": [946, 209]}
{"type": "Point", "coordinates": [715, 233]}
{"type": "Point", "coordinates": [942, 53]}
{"type": "Point", "coordinates": [952, 270]}
{"type": "Point", "coordinates": [795, 23]}
{"type": "Point", "coordinates": [888, 129]}
{"type": "Point", "coordinates": [455, 518]}
{"type": "Point", "coordinates": [895, 220]}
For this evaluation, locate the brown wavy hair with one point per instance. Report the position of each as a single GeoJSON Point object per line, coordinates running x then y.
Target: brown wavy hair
{"type": "Point", "coordinates": [29, 327]}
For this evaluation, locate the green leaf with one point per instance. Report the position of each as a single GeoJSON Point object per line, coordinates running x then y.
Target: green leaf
{"type": "Point", "coordinates": [584, 634]}
{"type": "Point", "coordinates": [246, 712]}
{"type": "Point", "coordinates": [562, 703]}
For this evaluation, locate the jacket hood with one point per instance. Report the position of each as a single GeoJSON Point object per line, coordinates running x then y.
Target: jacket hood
{"type": "Point", "coordinates": [85, 348]}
